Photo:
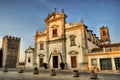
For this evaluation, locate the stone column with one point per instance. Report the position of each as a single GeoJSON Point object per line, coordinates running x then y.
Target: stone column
{"type": "Point", "coordinates": [47, 53]}
{"type": "Point", "coordinates": [64, 51]}
{"type": "Point", "coordinates": [113, 64]}
{"type": "Point", "coordinates": [64, 42]}
{"type": "Point", "coordinates": [35, 55]}
{"type": "Point", "coordinates": [98, 64]}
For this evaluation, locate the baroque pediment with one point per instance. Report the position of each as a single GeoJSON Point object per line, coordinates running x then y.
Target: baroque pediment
{"type": "Point", "coordinates": [29, 50]}
{"type": "Point", "coordinates": [53, 16]}
{"type": "Point", "coordinates": [73, 52]}
{"type": "Point", "coordinates": [55, 52]}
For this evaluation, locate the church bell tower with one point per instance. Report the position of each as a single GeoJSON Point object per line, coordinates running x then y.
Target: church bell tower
{"type": "Point", "coordinates": [104, 33]}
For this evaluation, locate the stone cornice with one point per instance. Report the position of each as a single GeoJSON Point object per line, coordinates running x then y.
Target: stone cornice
{"type": "Point", "coordinates": [101, 54]}
{"type": "Point", "coordinates": [56, 40]}
{"type": "Point", "coordinates": [74, 28]}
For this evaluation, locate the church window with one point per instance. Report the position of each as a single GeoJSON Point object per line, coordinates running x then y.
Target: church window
{"type": "Point", "coordinates": [54, 32]}
{"type": "Point", "coordinates": [104, 33]}
{"type": "Point", "coordinates": [29, 60]}
{"type": "Point", "coordinates": [72, 40]}
{"type": "Point", "coordinates": [41, 46]}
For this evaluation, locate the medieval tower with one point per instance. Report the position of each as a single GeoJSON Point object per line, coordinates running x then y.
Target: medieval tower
{"type": "Point", "coordinates": [11, 51]}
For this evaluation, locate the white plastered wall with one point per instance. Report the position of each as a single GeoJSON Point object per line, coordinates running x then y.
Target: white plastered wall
{"type": "Point", "coordinates": [29, 55]}
{"type": "Point", "coordinates": [77, 48]}
{"type": "Point", "coordinates": [41, 51]}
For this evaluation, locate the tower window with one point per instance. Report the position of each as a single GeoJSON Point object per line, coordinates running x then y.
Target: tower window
{"type": "Point", "coordinates": [54, 32]}
{"type": "Point", "coordinates": [104, 34]}
{"type": "Point", "coordinates": [72, 40]}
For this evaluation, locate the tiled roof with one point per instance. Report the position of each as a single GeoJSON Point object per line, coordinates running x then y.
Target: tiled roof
{"type": "Point", "coordinates": [29, 49]}
{"type": "Point", "coordinates": [97, 49]}
{"type": "Point", "coordinates": [105, 45]}
{"type": "Point", "coordinates": [110, 45]}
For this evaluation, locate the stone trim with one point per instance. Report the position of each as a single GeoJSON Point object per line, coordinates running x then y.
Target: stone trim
{"type": "Point", "coordinates": [41, 55]}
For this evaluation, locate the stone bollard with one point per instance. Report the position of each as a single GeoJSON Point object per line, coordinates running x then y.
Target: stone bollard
{"type": "Point", "coordinates": [93, 75]}
{"type": "Point", "coordinates": [75, 73]}
{"type": "Point", "coordinates": [53, 73]}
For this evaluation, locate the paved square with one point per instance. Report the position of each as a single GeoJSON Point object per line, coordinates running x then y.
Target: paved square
{"type": "Point", "coordinates": [60, 75]}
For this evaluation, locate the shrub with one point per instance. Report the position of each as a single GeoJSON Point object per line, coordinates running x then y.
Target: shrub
{"type": "Point", "coordinates": [45, 65]}
{"type": "Point", "coordinates": [35, 68]}
{"type": "Point", "coordinates": [20, 71]}
{"type": "Point", "coordinates": [75, 71]}
{"type": "Point", "coordinates": [62, 65]}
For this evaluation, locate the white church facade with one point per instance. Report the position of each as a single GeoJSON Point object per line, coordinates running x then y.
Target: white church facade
{"type": "Point", "coordinates": [62, 42]}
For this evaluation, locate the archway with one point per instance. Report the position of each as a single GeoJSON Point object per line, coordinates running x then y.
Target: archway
{"type": "Point", "coordinates": [55, 58]}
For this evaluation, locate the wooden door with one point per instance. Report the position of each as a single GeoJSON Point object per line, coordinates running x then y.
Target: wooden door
{"type": "Point", "coordinates": [41, 62]}
{"type": "Point", "coordinates": [73, 62]}
{"type": "Point", "coordinates": [55, 61]}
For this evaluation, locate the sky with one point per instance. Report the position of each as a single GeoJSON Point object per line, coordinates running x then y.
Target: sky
{"type": "Point", "coordinates": [22, 18]}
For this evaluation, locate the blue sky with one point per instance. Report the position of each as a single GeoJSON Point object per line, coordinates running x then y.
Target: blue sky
{"type": "Point", "coordinates": [21, 18]}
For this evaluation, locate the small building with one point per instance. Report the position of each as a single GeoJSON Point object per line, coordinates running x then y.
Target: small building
{"type": "Point", "coordinates": [11, 51]}
{"type": "Point", "coordinates": [105, 58]}
{"type": "Point", "coordinates": [29, 57]}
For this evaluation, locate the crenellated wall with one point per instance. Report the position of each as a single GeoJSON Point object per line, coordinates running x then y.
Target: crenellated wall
{"type": "Point", "coordinates": [11, 51]}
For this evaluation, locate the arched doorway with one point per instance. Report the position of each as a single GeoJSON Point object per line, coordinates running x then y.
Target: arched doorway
{"type": "Point", "coordinates": [55, 59]}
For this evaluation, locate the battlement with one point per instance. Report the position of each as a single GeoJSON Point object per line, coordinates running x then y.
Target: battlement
{"type": "Point", "coordinates": [11, 37]}
{"type": "Point", "coordinates": [104, 27]}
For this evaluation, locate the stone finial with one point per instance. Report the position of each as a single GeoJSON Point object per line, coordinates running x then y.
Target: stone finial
{"type": "Point", "coordinates": [54, 9]}
{"type": "Point", "coordinates": [62, 10]}
{"type": "Point", "coordinates": [30, 46]}
{"type": "Point", "coordinates": [36, 31]}
{"type": "Point", "coordinates": [81, 20]}
{"type": "Point", "coordinates": [48, 14]}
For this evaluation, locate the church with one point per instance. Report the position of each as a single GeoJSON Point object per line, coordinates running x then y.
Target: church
{"type": "Point", "coordinates": [75, 46]}
{"type": "Point", "coordinates": [62, 42]}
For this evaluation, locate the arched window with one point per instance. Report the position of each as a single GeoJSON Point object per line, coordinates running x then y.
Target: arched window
{"type": "Point", "coordinates": [54, 32]}
{"type": "Point", "coordinates": [104, 34]}
{"type": "Point", "coordinates": [29, 60]}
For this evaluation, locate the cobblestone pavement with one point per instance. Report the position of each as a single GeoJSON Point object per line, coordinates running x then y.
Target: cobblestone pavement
{"type": "Point", "coordinates": [45, 75]}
